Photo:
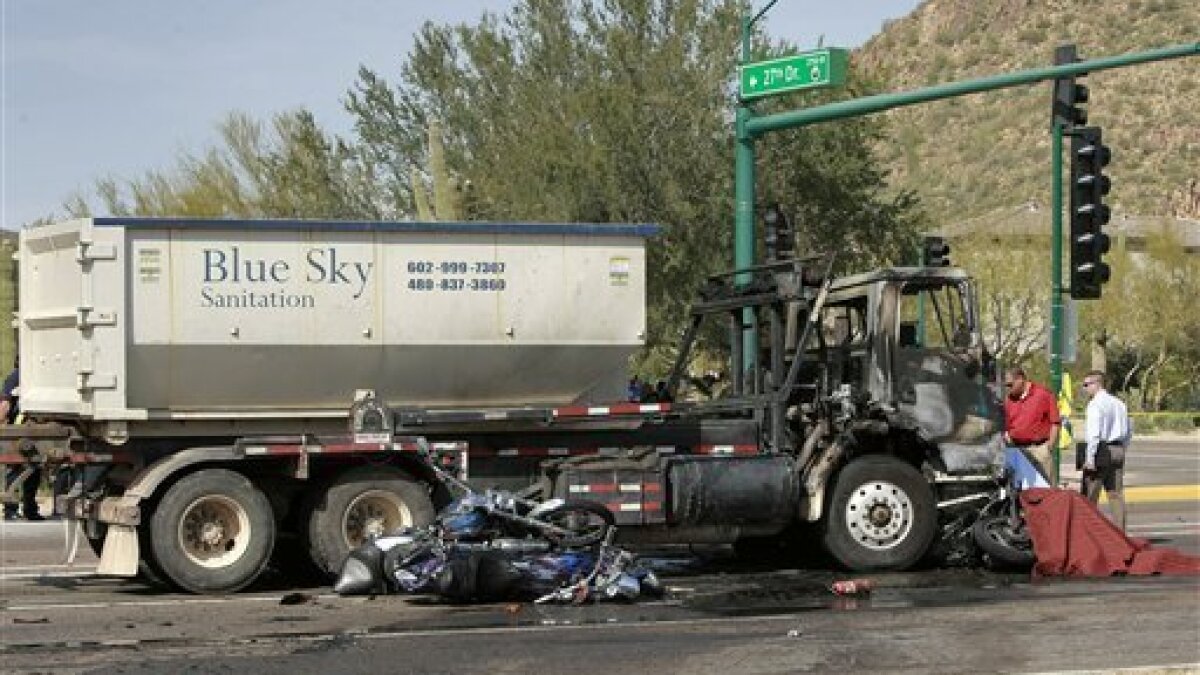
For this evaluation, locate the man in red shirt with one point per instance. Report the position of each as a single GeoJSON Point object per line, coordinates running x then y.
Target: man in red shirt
{"type": "Point", "coordinates": [1031, 420]}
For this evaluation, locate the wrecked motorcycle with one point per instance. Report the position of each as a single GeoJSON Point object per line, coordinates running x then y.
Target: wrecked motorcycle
{"type": "Point", "coordinates": [500, 514]}
{"type": "Point", "coordinates": [421, 561]}
{"type": "Point", "coordinates": [486, 545]}
{"type": "Point", "coordinates": [997, 529]}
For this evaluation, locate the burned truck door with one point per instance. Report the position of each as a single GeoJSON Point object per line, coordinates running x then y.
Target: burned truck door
{"type": "Point", "coordinates": [937, 361]}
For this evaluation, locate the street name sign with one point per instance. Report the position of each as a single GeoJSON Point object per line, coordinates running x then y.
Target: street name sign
{"type": "Point", "coordinates": [807, 70]}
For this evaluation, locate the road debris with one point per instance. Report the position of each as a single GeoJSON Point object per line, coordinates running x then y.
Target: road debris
{"type": "Point", "coordinates": [852, 587]}
{"type": "Point", "coordinates": [295, 599]}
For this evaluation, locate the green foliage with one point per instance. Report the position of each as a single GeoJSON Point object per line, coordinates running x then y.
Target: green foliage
{"type": "Point", "coordinates": [620, 112]}
{"type": "Point", "coordinates": [1147, 321]}
{"type": "Point", "coordinates": [1011, 285]}
{"type": "Point", "coordinates": [1174, 422]}
{"type": "Point", "coordinates": [296, 171]}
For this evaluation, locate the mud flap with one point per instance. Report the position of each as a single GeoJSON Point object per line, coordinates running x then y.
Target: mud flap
{"type": "Point", "coordinates": [72, 531]}
{"type": "Point", "coordinates": [120, 555]}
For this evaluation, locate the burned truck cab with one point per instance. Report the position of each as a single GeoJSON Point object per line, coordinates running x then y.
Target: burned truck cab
{"type": "Point", "coordinates": [908, 341]}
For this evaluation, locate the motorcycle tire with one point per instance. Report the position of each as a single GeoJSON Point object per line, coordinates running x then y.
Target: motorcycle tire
{"type": "Point", "coordinates": [1003, 546]}
{"type": "Point", "coordinates": [587, 524]}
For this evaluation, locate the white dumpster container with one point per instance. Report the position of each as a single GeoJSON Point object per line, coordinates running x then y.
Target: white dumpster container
{"type": "Point", "coordinates": [177, 319]}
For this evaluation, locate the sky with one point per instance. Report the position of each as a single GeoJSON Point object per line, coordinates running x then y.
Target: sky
{"type": "Point", "coordinates": [114, 88]}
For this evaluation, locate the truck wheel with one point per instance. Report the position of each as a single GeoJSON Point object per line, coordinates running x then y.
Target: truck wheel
{"type": "Point", "coordinates": [361, 503]}
{"type": "Point", "coordinates": [212, 532]}
{"type": "Point", "coordinates": [881, 517]}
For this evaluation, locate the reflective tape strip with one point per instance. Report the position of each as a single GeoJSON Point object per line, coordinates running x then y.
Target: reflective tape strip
{"type": "Point", "coordinates": [630, 507]}
{"type": "Point", "coordinates": [273, 450]}
{"type": "Point", "coordinates": [592, 488]}
{"type": "Point", "coordinates": [574, 411]}
{"type": "Point", "coordinates": [616, 409]}
{"type": "Point", "coordinates": [652, 506]}
{"type": "Point", "coordinates": [508, 452]}
{"type": "Point", "coordinates": [664, 449]}
{"type": "Point", "coordinates": [331, 449]}
{"type": "Point", "coordinates": [651, 487]}
{"type": "Point", "coordinates": [558, 451]}
{"type": "Point", "coordinates": [728, 449]}
{"type": "Point", "coordinates": [631, 487]}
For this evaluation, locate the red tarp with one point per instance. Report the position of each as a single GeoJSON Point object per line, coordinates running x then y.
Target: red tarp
{"type": "Point", "coordinates": [1072, 538]}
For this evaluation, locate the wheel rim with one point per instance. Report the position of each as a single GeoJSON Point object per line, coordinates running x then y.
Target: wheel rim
{"type": "Point", "coordinates": [879, 515]}
{"type": "Point", "coordinates": [373, 514]}
{"type": "Point", "coordinates": [580, 524]}
{"type": "Point", "coordinates": [214, 531]}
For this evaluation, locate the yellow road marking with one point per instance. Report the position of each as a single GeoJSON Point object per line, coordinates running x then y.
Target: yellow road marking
{"type": "Point", "coordinates": [1159, 493]}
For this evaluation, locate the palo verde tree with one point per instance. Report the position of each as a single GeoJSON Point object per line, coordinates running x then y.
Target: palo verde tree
{"type": "Point", "coordinates": [289, 169]}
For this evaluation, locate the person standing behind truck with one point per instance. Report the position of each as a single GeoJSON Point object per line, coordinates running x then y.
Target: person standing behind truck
{"type": "Point", "coordinates": [1107, 435]}
{"type": "Point", "coordinates": [10, 410]}
{"type": "Point", "coordinates": [1031, 420]}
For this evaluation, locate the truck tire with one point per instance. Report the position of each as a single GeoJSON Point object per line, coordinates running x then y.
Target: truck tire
{"type": "Point", "coordinates": [361, 503]}
{"type": "Point", "coordinates": [212, 532]}
{"type": "Point", "coordinates": [881, 515]}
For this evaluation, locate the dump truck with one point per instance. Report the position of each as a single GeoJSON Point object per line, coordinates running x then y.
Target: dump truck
{"type": "Point", "coordinates": [231, 392]}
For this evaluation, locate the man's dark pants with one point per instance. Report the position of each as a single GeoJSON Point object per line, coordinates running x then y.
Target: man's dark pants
{"type": "Point", "coordinates": [29, 488]}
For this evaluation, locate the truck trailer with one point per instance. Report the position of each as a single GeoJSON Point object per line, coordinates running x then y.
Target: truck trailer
{"type": "Point", "coordinates": [226, 391]}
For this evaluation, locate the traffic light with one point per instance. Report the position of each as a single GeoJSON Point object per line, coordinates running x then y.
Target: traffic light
{"type": "Point", "coordinates": [780, 238]}
{"type": "Point", "coordinates": [1069, 96]}
{"type": "Point", "coordinates": [935, 252]}
{"type": "Point", "coordinates": [1089, 213]}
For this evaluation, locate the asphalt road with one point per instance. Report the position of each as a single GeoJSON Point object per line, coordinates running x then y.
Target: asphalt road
{"type": "Point", "coordinates": [717, 617]}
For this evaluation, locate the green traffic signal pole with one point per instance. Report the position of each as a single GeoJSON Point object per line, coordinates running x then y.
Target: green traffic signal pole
{"type": "Point", "coordinates": [743, 194]}
{"type": "Point", "coordinates": [750, 126]}
{"type": "Point", "coordinates": [1056, 285]}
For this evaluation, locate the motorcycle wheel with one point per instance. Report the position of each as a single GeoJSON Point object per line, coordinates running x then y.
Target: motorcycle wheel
{"type": "Point", "coordinates": [586, 524]}
{"type": "Point", "coordinates": [1005, 545]}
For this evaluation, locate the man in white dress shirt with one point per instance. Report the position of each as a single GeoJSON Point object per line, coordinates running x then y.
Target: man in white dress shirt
{"type": "Point", "coordinates": [1107, 436]}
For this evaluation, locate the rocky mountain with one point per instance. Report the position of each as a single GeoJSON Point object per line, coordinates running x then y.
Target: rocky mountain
{"type": "Point", "coordinates": [983, 156]}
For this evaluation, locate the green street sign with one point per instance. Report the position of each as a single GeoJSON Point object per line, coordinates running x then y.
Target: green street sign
{"type": "Point", "coordinates": [819, 68]}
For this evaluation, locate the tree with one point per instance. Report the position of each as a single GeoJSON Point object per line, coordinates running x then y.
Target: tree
{"type": "Point", "coordinates": [1146, 320]}
{"type": "Point", "coordinates": [1013, 289]}
{"type": "Point", "coordinates": [296, 171]}
{"type": "Point", "coordinates": [620, 111]}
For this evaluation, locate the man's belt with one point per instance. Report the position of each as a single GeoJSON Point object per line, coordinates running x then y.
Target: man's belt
{"type": "Point", "coordinates": [1026, 444]}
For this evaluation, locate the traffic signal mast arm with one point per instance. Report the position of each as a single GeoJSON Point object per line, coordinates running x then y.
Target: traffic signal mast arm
{"type": "Point", "coordinates": [873, 104]}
